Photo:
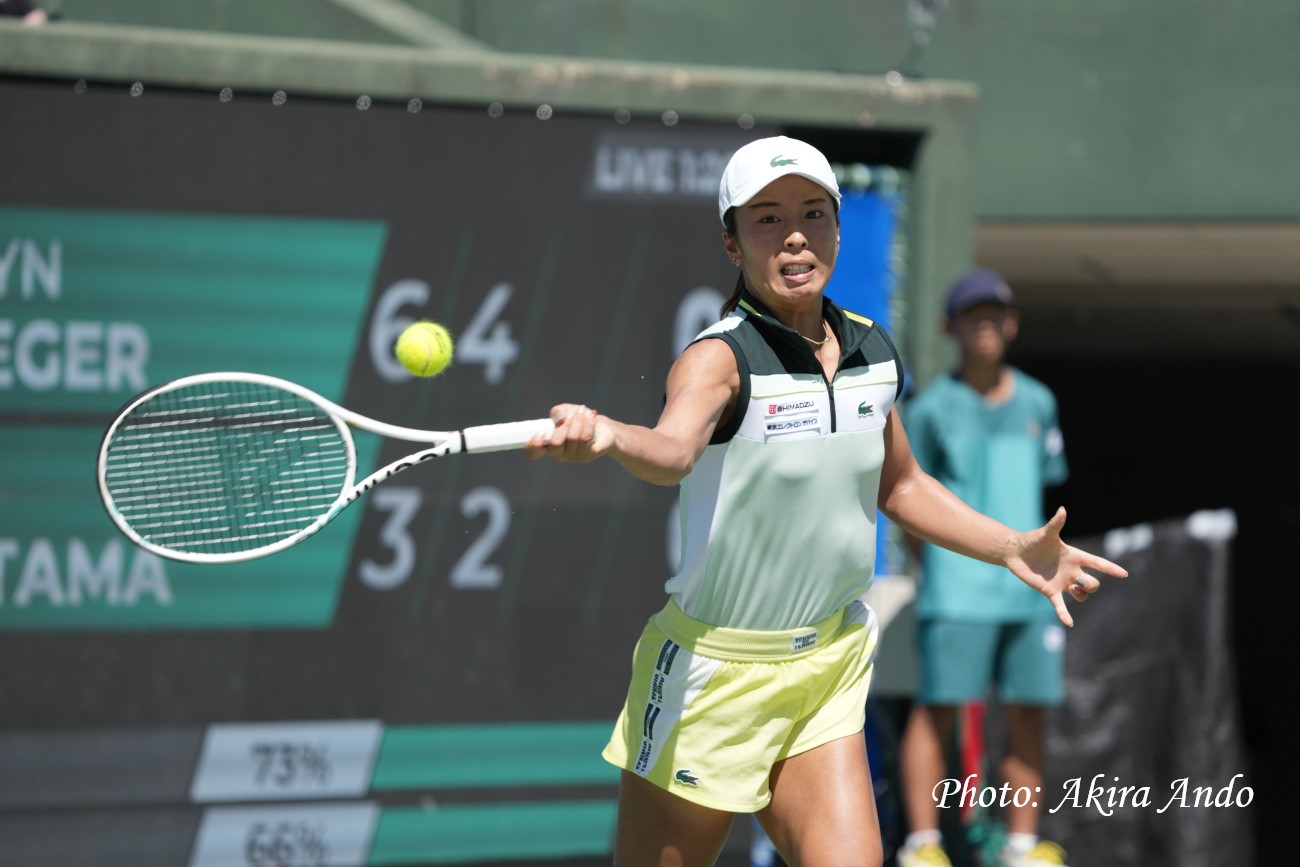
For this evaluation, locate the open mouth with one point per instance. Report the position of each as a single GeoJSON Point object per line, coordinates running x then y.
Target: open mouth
{"type": "Point", "coordinates": [795, 270]}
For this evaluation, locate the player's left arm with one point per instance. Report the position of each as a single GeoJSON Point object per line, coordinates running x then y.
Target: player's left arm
{"type": "Point", "coordinates": [922, 506]}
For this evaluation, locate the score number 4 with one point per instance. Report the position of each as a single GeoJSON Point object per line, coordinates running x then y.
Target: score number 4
{"type": "Point", "coordinates": [486, 339]}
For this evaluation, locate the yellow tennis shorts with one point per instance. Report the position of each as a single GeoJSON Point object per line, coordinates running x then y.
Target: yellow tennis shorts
{"type": "Point", "coordinates": [710, 710]}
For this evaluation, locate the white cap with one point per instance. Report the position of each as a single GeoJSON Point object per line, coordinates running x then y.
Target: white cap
{"type": "Point", "coordinates": [760, 162]}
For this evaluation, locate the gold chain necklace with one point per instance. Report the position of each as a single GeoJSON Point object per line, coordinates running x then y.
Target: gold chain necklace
{"type": "Point", "coordinates": [821, 342]}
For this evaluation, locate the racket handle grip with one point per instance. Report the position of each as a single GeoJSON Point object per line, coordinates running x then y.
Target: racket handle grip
{"type": "Point", "coordinates": [510, 435]}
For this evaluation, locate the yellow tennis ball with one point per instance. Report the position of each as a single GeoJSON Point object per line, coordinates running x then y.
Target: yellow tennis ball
{"type": "Point", "coordinates": [425, 348]}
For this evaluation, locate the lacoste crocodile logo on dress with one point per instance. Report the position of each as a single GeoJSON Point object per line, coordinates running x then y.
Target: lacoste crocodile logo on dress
{"type": "Point", "coordinates": [684, 775]}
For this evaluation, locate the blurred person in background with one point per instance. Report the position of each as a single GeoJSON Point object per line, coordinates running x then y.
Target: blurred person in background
{"type": "Point", "coordinates": [29, 12]}
{"type": "Point", "coordinates": [989, 433]}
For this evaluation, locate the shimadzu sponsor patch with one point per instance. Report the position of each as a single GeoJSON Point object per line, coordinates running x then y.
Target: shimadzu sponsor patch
{"type": "Point", "coordinates": [793, 406]}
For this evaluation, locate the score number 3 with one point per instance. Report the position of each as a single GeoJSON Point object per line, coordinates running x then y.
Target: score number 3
{"type": "Point", "coordinates": [473, 570]}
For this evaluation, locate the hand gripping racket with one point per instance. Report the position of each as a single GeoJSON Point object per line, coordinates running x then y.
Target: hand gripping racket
{"type": "Point", "coordinates": [222, 467]}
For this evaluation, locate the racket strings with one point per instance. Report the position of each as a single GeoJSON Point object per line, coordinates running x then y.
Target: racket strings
{"type": "Point", "coordinates": [226, 467]}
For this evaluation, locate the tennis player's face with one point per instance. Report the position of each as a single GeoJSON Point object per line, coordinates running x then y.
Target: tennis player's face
{"type": "Point", "coordinates": [787, 238]}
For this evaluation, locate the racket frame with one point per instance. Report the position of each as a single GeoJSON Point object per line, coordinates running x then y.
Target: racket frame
{"type": "Point", "coordinates": [483, 438]}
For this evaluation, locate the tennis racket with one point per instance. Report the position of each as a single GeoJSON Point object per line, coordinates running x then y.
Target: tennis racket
{"type": "Point", "coordinates": [223, 467]}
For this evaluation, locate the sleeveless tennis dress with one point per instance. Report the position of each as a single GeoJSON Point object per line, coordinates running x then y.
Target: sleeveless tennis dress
{"type": "Point", "coordinates": [764, 649]}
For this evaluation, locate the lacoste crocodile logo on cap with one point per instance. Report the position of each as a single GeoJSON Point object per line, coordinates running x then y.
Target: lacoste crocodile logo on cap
{"type": "Point", "coordinates": [779, 160]}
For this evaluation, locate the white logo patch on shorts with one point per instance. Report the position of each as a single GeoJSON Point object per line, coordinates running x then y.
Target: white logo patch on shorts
{"type": "Point", "coordinates": [803, 642]}
{"type": "Point", "coordinates": [679, 676]}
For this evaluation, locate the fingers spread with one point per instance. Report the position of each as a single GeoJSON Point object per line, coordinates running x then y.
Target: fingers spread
{"type": "Point", "coordinates": [1058, 520]}
{"type": "Point", "coordinates": [1103, 565]}
{"type": "Point", "coordinates": [1058, 602]}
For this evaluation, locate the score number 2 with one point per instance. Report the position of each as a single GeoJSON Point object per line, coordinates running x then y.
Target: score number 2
{"type": "Point", "coordinates": [473, 570]}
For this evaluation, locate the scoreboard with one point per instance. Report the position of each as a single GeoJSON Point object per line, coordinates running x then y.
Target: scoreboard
{"type": "Point", "coordinates": [431, 678]}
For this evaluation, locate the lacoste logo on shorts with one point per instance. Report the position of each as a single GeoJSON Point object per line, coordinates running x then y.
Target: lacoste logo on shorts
{"type": "Point", "coordinates": [685, 776]}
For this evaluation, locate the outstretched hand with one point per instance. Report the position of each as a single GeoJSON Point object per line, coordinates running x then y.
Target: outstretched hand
{"type": "Point", "coordinates": [1053, 568]}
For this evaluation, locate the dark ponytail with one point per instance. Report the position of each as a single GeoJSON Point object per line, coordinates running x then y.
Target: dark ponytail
{"type": "Point", "coordinates": [734, 301]}
{"type": "Point", "coordinates": [729, 223]}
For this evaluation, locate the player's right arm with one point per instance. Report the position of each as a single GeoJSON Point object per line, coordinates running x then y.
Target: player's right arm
{"type": "Point", "coordinates": [701, 389]}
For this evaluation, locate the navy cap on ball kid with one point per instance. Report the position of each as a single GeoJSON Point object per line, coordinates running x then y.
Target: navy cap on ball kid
{"type": "Point", "coordinates": [978, 286]}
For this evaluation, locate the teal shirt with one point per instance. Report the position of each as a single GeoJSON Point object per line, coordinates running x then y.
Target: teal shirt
{"type": "Point", "coordinates": [997, 458]}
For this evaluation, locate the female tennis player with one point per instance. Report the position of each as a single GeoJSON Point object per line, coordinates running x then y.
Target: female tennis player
{"type": "Point", "coordinates": [749, 688]}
